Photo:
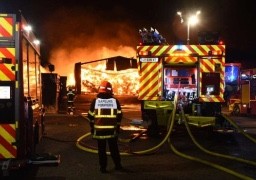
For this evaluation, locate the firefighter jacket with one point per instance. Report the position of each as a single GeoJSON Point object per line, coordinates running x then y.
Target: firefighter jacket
{"type": "Point", "coordinates": [105, 116]}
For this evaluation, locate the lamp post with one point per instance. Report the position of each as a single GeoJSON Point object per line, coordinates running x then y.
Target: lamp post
{"type": "Point", "coordinates": [192, 20]}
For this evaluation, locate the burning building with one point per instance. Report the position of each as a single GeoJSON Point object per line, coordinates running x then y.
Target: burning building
{"type": "Point", "coordinates": [120, 71]}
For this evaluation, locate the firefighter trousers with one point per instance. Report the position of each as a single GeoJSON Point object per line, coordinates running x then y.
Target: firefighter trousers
{"type": "Point", "coordinates": [114, 152]}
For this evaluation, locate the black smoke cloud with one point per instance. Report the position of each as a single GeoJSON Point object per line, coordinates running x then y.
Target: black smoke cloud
{"type": "Point", "coordinates": [80, 35]}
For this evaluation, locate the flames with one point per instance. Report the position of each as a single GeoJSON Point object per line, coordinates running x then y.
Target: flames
{"type": "Point", "coordinates": [87, 38]}
{"type": "Point", "coordinates": [124, 82]}
{"type": "Point", "coordinates": [71, 80]}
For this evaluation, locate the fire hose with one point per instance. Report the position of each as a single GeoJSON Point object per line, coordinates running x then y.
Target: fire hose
{"type": "Point", "coordinates": [240, 130]}
{"type": "Point", "coordinates": [168, 138]}
{"type": "Point", "coordinates": [147, 151]}
{"type": "Point", "coordinates": [214, 165]}
{"type": "Point", "coordinates": [210, 152]}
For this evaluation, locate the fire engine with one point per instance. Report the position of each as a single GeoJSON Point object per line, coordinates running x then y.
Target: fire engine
{"type": "Point", "coordinates": [244, 101]}
{"type": "Point", "coordinates": [232, 80]}
{"type": "Point", "coordinates": [195, 72]}
{"type": "Point", "coordinates": [21, 112]}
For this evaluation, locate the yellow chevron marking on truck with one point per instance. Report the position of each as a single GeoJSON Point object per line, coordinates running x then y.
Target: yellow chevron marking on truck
{"type": "Point", "coordinates": [6, 26]}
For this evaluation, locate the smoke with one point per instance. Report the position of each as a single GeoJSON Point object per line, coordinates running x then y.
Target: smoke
{"type": "Point", "coordinates": [64, 59]}
{"type": "Point", "coordinates": [82, 35]}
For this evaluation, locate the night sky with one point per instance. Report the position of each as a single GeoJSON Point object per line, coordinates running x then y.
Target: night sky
{"type": "Point", "coordinates": [91, 23]}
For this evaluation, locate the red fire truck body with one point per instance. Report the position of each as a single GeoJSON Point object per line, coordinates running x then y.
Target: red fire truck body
{"type": "Point", "coordinates": [20, 92]}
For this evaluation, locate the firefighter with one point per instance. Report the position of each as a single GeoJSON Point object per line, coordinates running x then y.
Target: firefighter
{"type": "Point", "coordinates": [105, 117]}
{"type": "Point", "coordinates": [70, 98]}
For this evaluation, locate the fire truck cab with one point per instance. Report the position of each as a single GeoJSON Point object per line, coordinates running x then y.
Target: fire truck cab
{"type": "Point", "coordinates": [194, 72]}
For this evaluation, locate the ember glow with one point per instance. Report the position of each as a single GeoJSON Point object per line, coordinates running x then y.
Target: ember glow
{"type": "Point", "coordinates": [124, 82]}
{"type": "Point", "coordinates": [89, 38]}
{"type": "Point", "coordinates": [71, 80]}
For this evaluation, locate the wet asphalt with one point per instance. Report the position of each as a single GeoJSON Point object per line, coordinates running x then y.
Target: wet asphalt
{"type": "Point", "coordinates": [183, 161]}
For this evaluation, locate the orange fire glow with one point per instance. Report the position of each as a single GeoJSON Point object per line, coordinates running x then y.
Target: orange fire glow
{"type": "Point", "coordinates": [71, 80]}
{"type": "Point", "coordinates": [87, 38]}
{"type": "Point", "coordinates": [124, 82]}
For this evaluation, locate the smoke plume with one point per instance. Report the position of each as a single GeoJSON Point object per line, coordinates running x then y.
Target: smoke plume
{"type": "Point", "coordinates": [79, 35]}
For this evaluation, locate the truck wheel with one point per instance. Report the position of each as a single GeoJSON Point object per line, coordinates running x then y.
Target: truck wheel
{"type": "Point", "coordinates": [151, 118]}
{"type": "Point", "coordinates": [236, 110]}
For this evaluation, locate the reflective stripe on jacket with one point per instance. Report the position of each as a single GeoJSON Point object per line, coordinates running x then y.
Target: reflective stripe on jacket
{"type": "Point", "coordinates": [105, 118]}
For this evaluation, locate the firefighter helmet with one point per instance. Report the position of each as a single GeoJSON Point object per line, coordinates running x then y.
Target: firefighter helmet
{"type": "Point", "coordinates": [105, 87]}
